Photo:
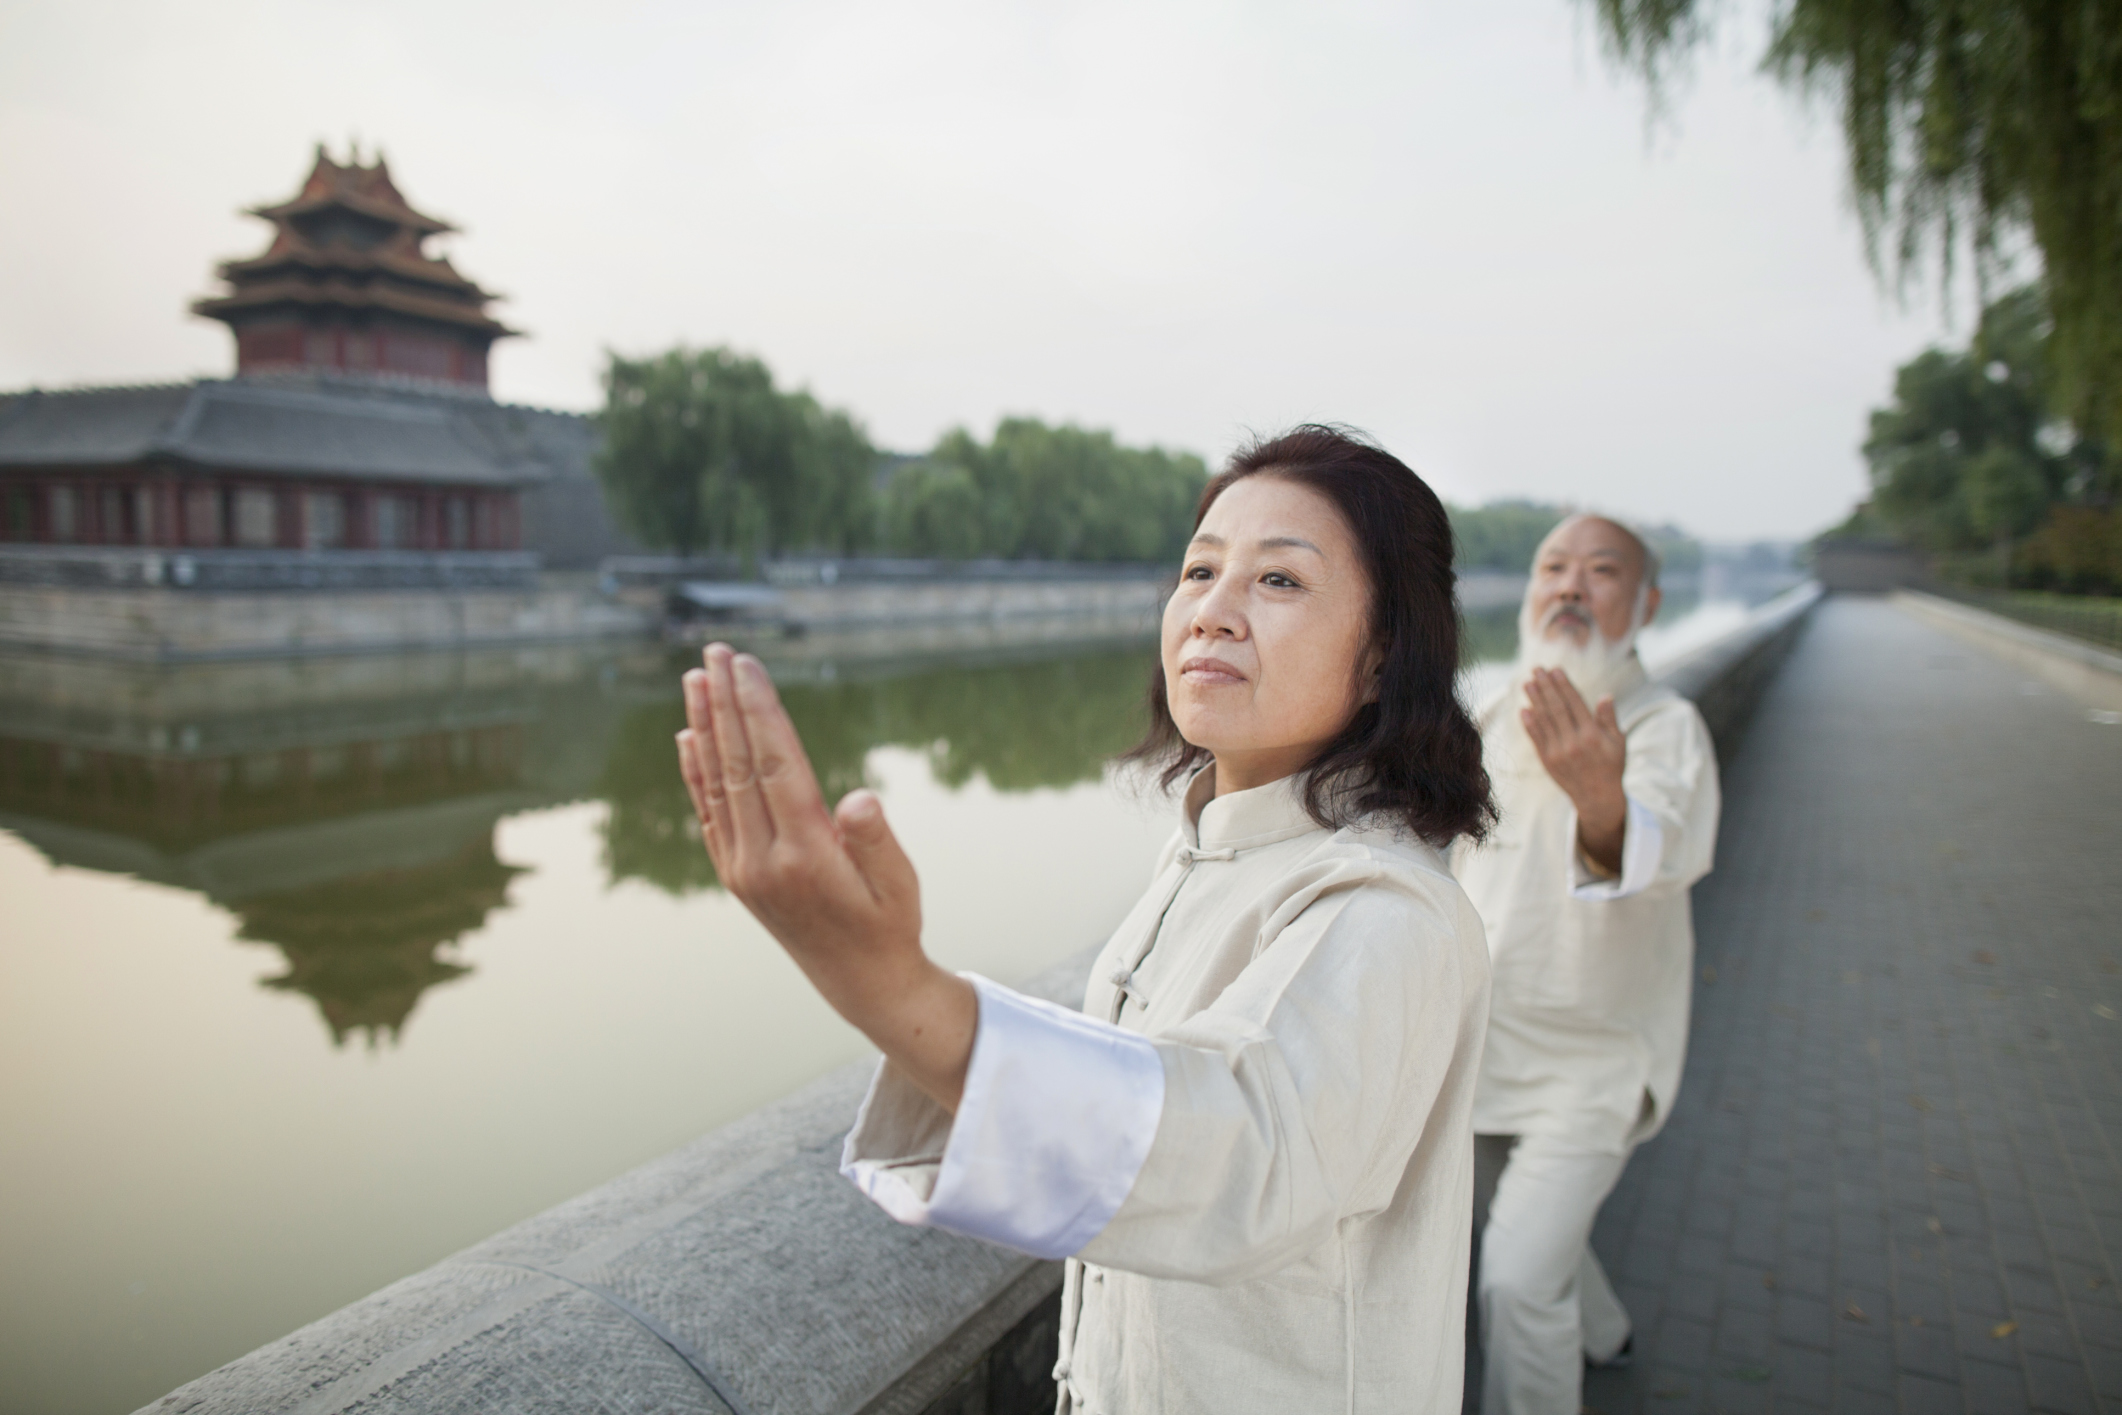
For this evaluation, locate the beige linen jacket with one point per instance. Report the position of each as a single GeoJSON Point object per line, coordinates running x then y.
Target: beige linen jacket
{"type": "Point", "coordinates": [1296, 1238]}
{"type": "Point", "coordinates": [1588, 1026]}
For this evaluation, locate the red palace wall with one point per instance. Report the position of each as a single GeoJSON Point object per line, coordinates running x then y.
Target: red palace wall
{"type": "Point", "coordinates": [136, 507]}
{"type": "Point", "coordinates": [266, 348]}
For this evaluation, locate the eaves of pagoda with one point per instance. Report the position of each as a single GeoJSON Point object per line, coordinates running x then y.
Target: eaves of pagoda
{"type": "Point", "coordinates": [342, 294]}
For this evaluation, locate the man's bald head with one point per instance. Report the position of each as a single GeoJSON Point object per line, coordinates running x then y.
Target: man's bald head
{"type": "Point", "coordinates": [1592, 572]}
{"type": "Point", "coordinates": [1613, 533]}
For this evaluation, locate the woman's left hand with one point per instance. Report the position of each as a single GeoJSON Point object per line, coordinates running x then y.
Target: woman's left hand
{"type": "Point", "coordinates": [834, 887]}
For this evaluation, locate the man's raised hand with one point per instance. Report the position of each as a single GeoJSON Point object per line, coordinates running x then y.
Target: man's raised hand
{"type": "Point", "coordinates": [1585, 751]}
{"type": "Point", "coordinates": [834, 887]}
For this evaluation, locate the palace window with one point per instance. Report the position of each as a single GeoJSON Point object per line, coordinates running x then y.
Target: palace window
{"type": "Point", "coordinates": [324, 521]}
{"type": "Point", "coordinates": [202, 516]}
{"type": "Point", "coordinates": [62, 504]}
{"type": "Point", "coordinates": [394, 522]}
{"type": "Point", "coordinates": [458, 519]}
{"type": "Point", "coordinates": [256, 518]}
{"type": "Point", "coordinates": [21, 514]}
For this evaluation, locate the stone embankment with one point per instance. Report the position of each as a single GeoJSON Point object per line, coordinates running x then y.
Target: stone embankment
{"type": "Point", "coordinates": [175, 607]}
{"type": "Point", "coordinates": [159, 606]}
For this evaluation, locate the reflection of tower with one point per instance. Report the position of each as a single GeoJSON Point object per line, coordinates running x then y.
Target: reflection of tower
{"type": "Point", "coordinates": [363, 946]}
{"type": "Point", "coordinates": [345, 817]}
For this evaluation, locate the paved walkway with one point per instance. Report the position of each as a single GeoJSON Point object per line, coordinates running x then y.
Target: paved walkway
{"type": "Point", "coordinates": [1892, 1181]}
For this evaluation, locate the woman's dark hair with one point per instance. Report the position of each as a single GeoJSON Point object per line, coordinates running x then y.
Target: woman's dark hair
{"type": "Point", "coordinates": [1412, 754]}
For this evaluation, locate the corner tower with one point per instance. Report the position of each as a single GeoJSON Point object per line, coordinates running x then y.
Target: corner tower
{"type": "Point", "coordinates": [346, 287]}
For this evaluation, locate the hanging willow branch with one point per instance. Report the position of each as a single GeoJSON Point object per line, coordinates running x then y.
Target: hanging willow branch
{"type": "Point", "coordinates": [1970, 125]}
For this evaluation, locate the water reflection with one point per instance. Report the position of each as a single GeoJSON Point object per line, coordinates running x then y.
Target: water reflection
{"type": "Point", "coordinates": [365, 947]}
{"type": "Point", "coordinates": [345, 813]}
{"type": "Point", "coordinates": [478, 870]}
{"type": "Point", "coordinates": [1020, 725]}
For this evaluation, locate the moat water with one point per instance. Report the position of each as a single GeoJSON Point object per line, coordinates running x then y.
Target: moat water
{"type": "Point", "coordinates": [313, 972]}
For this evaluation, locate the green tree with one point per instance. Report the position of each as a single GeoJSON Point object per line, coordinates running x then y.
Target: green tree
{"type": "Point", "coordinates": [1967, 455]}
{"type": "Point", "coordinates": [1969, 124]}
{"type": "Point", "coordinates": [1969, 463]}
{"type": "Point", "coordinates": [702, 451]}
{"type": "Point", "coordinates": [935, 509]}
{"type": "Point", "coordinates": [1503, 534]}
{"type": "Point", "coordinates": [1046, 493]}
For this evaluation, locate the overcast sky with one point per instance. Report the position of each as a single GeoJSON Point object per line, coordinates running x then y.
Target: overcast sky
{"type": "Point", "coordinates": [1446, 223]}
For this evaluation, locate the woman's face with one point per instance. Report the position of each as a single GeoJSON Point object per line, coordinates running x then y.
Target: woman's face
{"type": "Point", "coordinates": [1265, 640]}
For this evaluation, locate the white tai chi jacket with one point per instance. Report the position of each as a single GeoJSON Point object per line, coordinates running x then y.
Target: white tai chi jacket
{"type": "Point", "coordinates": [1588, 1026]}
{"type": "Point", "coordinates": [1254, 1141]}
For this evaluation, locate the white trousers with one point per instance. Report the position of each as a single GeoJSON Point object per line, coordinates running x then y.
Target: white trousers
{"type": "Point", "coordinates": [1545, 1302]}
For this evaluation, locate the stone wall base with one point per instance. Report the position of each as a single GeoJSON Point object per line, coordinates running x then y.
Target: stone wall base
{"type": "Point", "coordinates": [168, 625]}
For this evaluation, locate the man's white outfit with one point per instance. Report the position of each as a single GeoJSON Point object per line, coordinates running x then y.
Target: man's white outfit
{"type": "Point", "coordinates": [1587, 1025]}
{"type": "Point", "coordinates": [1255, 1142]}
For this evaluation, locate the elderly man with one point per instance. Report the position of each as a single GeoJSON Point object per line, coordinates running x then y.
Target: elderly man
{"type": "Point", "coordinates": [1608, 790]}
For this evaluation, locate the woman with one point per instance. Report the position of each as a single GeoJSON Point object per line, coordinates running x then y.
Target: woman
{"type": "Point", "coordinates": [1253, 1143]}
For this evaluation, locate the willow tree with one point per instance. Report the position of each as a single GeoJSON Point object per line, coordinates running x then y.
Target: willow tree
{"type": "Point", "coordinates": [1971, 125]}
{"type": "Point", "coordinates": [702, 451]}
{"type": "Point", "coordinates": [1045, 493]}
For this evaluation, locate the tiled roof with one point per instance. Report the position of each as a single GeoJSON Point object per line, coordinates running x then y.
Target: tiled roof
{"type": "Point", "coordinates": [369, 190]}
{"type": "Point", "coordinates": [337, 292]}
{"type": "Point", "coordinates": [313, 262]}
{"type": "Point", "coordinates": [306, 426]}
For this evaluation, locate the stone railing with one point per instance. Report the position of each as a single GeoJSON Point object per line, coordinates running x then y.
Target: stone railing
{"type": "Point", "coordinates": [630, 571]}
{"type": "Point", "coordinates": [1725, 678]}
{"type": "Point", "coordinates": [741, 1275]}
{"type": "Point", "coordinates": [133, 567]}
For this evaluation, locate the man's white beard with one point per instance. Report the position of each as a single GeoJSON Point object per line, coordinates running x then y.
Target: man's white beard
{"type": "Point", "coordinates": [1596, 667]}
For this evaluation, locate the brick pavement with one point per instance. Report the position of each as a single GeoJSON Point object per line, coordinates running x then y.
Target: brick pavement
{"type": "Point", "coordinates": [1891, 1181]}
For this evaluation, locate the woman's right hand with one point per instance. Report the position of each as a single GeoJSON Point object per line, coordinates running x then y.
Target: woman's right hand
{"type": "Point", "coordinates": [834, 887]}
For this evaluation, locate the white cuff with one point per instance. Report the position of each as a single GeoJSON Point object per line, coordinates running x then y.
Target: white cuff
{"type": "Point", "coordinates": [1058, 1115]}
{"type": "Point", "coordinates": [1642, 844]}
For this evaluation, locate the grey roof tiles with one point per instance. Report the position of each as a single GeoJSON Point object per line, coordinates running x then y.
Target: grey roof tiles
{"type": "Point", "coordinates": [319, 427]}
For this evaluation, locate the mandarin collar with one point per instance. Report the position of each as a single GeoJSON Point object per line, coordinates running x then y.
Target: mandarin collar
{"type": "Point", "coordinates": [1243, 820]}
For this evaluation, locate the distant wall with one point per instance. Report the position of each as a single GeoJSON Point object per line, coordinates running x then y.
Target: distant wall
{"type": "Point", "coordinates": [175, 624]}
{"type": "Point", "coordinates": [317, 571]}
{"type": "Point", "coordinates": [565, 518]}
{"type": "Point", "coordinates": [1867, 567]}
{"type": "Point", "coordinates": [807, 595]}
{"type": "Point", "coordinates": [847, 606]}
